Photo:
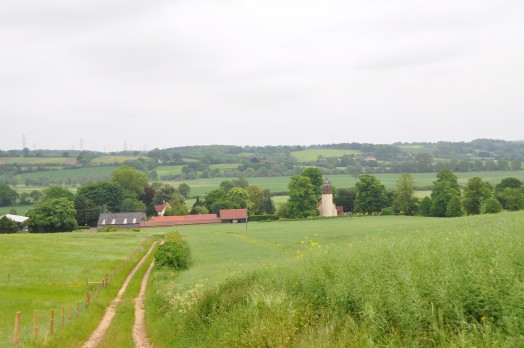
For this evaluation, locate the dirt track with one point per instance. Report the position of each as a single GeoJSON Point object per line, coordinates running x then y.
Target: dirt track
{"type": "Point", "coordinates": [98, 334]}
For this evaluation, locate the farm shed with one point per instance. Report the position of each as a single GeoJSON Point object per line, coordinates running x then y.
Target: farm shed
{"type": "Point", "coordinates": [233, 215]}
{"type": "Point", "coordinates": [199, 219]}
{"type": "Point", "coordinates": [120, 220]}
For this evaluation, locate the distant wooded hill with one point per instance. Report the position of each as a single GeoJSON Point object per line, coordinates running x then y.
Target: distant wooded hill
{"type": "Point", "coordinates": [207, 161]}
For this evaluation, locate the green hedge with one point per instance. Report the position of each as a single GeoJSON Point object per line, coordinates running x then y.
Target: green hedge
{"type": "Point", "coordinates": [263, 217]}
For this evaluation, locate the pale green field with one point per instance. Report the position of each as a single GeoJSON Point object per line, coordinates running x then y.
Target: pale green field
{"type": "Point", "coordinates": [312, 155]}
{"type": "Point", "coordinates": [169, 170]}
{"type": "Point", "coordinates": [113, 159]}
{"type": "Point", "coordinates": [37, 160]}
{"type": "Point", "coordinates": [223, 166]}
{"type": "Point", "coordinates": [48, 271]}
{"type": "Point", "coordinates": [390, 278]}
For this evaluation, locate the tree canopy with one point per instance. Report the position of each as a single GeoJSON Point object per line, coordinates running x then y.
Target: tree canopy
{"type": "Point", "coordinates": [302, 200]}
{"type": "Point", "coordinates": [52, 215]}
{"type": "Point", "coordinates": [371, 195]}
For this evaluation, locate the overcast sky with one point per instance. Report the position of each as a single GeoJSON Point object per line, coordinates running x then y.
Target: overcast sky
{"type": "Point", "coordinates": [146, 74]}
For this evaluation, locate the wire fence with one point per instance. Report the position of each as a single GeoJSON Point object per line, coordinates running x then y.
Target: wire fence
{"type": "Point", "coordinates": [42, 325]}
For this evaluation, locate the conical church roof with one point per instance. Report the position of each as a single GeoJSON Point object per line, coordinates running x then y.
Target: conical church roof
{"type": "Point", "coordinates": [326, 188]}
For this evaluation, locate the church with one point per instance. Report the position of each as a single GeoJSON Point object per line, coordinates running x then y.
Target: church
{"type": "Point", "coordinates": [326, 207]}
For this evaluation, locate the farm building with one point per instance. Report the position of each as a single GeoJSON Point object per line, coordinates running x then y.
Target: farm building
{"type": "Point", "coordinates": [233, 215]}
{"type": "Point", "coordinates": [161, 208]}
{"type": "Point", "coordinates": [20, 220]}
{"type": "Point", "coordinates": [200, 219]}
{"type": "Point", "coordinates": [120, 220]}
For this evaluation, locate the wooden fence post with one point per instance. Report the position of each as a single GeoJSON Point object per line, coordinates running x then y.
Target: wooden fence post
{"type": "Point", "coordinates": [70, 313]}
{"type": "Point", "coordinates": [16, 338]}
{"type": "Point", "coordinates": [35, 324]}
{"type": "Point", "coordinates": [77, 309]}
{"type": "Point", "coordinates": [52, 322]}
{"type": "Point", "coordinates": [88, 298]}
{"type": "Point", "coordinates": [62, 323]}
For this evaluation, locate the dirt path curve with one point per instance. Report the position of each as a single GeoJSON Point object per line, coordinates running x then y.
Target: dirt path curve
{"type": "Point", "coordinates": [139, 327]}
{"type": "Point", "coordinates": [98, 334]}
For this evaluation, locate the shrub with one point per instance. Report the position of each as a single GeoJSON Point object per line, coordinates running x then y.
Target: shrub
{"type": "Point", "coordinates": [267, 217]}
{"type": "Point", "coordinates": [387, 211]}
{"type": "Point", "coordinates": [173, 253]}
{"type": "Point", "coordinates": [491, 206]}
{"type": "Point", "coordinates": [8, 226]}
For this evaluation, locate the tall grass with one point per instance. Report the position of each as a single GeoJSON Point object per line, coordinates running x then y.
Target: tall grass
{"type": "Point", "coordinates": [458, 282]}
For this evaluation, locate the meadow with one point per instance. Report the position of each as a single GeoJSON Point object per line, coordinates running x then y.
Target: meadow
{"type": "Point", "coordinates": [387, 281]}
{"type": "Point", "coordinates": [49, 271]}
{"type": "Point", "coordinates": [64, 174]}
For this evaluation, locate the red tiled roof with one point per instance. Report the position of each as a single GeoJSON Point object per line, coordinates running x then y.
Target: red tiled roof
{"type": "Point", "coordinates": [181, 220]}
{"type": "Point", "coordinates": [233, 214]}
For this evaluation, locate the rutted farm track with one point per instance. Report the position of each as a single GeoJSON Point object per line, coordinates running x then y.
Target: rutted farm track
{"type": "Point", "coordinates": [139, 333]}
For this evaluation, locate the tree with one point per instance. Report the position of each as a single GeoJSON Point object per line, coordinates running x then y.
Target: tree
{"type": "Point", "coordinates": [58, 192]}
{"type": "Point", "coordinates": [8, 196]}
{"type": "Point", "coordinates": [85, 157]}
{"type": "Point", "coordinates": [315, 176]}
{"type": "Point", "coordinates": [512, 198]}
{"type": "Point", "coordinates": [454, 208]}
{"type": "Point", "coordinates": [166, 193]}
{"type": "Point", "coordinates": [503, 195]}
{"type": "Point", "coordinates": [491, 206]}
{"type": "Point", "coordinates": [444, 189]}
{"type": "Point", "coordinates": [8, 226]}
{"type": "Point", "coordinates": [302, 200]}
{"type": "Point", "coordinates": [199, 209]}
{"type": "Point", "coordinates": [213, 197]}
{"type": "Point", "coordinates": [371, 195]}
{"type": "Point", "coordinates": [256, 196]}
{"type": "Point", "coordinates": [475, 192]}
{"type": "Point", "coordinates": [267, 206]}
{"type": "Point", "coordinates": [184, 190]}
{"type": "Point", "coordinates": [130, 179]}
{"type": "Point", "coordinates": [424, 208]}
{"type": "Point", "coordinates": [52, 215]}
{"type": "Point", "coordinates": [239, 197]}
{"type": "Point", "coordinates": [132, 205]}
{"type": "Point", "coordinates": [405, 202]}
{"type": "Point", "coordinates": [103, 195]}
{"type": "Point", "coordinates": [423, 162]}
{"type": "Point", "coordinates": [346, 198]}
{"type": "Point", "coordinates": [226, 185]}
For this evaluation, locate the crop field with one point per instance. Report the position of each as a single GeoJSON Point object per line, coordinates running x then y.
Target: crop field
{"type": "Point", "coordinates": [169, 170]}
{"type": "Point", "coordinates": [312, 155]}
{"type": "Point", "coordinates": [388, 281]}
{"type": "Point", "coordinates": [113, 159]}
{"type": "Point", "coordinates": [77, 173]}
{"type": "Point", "coordinates": [223, 166]}
{"type": "Point", "coordinates": [48, 271]}
{"type": "Point", "coordinates": [37, 160]}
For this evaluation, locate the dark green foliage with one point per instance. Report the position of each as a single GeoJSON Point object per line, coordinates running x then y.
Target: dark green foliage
{"type": "Point", "coordinates": [267, 217]}
{"type": "Point", "coordinates": [58, 192]}
{"type": "Point", "coordinates": [346, 198]}
{"type": "Point", "coordinates": [174, 253]}
{"type": "Point", "coordinates": [424, 208]}
{"type": "Point", "coordinates": [510, 193]}
{"type": "Point", "coordinates": [371, 195]}
{"type": "Point", "coordinates": [444, 189]}
{"type": "Point", "coordinates": [8, 196]}
{"type": "Point", "coordinates": [130, 179]}
{"type": "Point", "coordinates": [85, 157]}
{"type": "Point", "coordinates": [454, 207]}
{"type": "Point", "coordinates": [8, 226]}
{"type": "Point", "coordinates": [53, 215]}
{"type": "Point", "coordinates": [387, 211]}
{"type": "Point", "coordinates": [315, 176]}
{"type": "Point", "coordinates": [491, 206]}
{"type": "Point", "coordinates": [184, 190]}
{"type": "Point", "coordinates": [475, 192]}
{"type": "Point", "coordinates": [404, 202]}
{"type": "Point", "coordinates": [302, 199]}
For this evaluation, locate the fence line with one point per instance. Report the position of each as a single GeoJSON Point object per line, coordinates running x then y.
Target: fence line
{"type": "Point", "coordinates": [89, 298]}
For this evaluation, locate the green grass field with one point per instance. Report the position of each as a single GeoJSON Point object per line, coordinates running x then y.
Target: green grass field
{"type": "Point", "coordinates": [37, 160]}
{"type": "Point", "coordinates": [312, 155]}
{"type": "Point", "coordinates": [113, 159]}
{"type": "Point", "coordinates": [79, 173]}
{"type": "Point", "coordinates": [169, 170]}
{"type": "Point", "coordinates": [386, 281]}
{"type": "Point", "coordinates": [48, 271]}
